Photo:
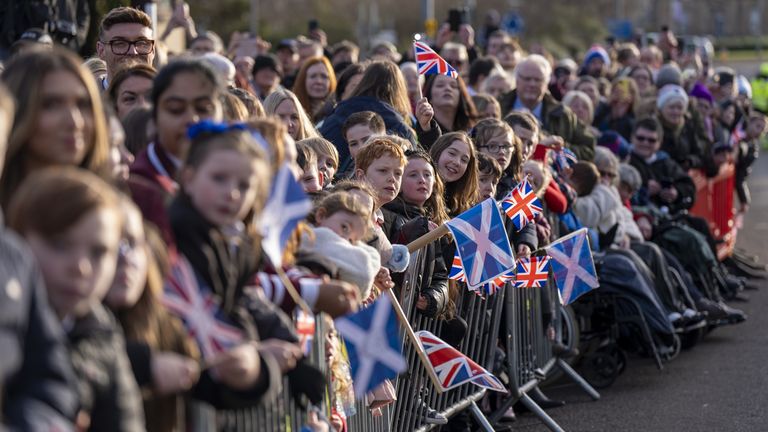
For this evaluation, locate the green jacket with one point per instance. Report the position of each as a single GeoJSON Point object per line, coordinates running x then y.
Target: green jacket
{"type": "Point", "coordinates": [557, 119]}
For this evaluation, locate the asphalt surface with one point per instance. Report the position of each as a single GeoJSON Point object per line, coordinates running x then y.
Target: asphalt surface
{"type": "Point", "coordinates": [721, 384]}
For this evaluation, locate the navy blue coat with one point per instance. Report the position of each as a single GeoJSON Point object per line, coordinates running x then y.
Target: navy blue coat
{"type": "Point", "coordinates": [331, 128]}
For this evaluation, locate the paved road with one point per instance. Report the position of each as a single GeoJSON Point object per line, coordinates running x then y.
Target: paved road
{"type": "Point", "coordinates": [719, 385]}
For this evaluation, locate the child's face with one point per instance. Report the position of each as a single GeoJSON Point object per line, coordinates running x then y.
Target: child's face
{"type": "Point", "coordinates": [453, 161]}
{"type": "Point", "coordinates": [488, 184]}
{"type": "Point", "coordinates": [327, 166]}
{"type": "Point", "coordinates": [500, 148]}
{"type": "Point", "coordinates": [310, 179]}
{"type": "Point", "coordinates": [348, 226]}
{"type": "Point", "coordinates": [131, 272]}
{"type": "Point", "coordinates": [418, 181]}
{"type": "Point", "coordinates": [385, 175]}
{"type": "Point", "coordinates": [625, 192]}
{"type": "Point", "coordinates": [223, 187]}
{"type": "Point", "coordinates": [357, 135]}
{"type": "Point", "coordinates": [78, 265]}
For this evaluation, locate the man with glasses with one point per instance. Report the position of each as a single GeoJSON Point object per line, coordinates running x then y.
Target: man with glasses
{"type": "Point", "coordinates": [665, 182]}
{"type": "Point", "coordinates": [125, 38]}
{"type": "Point", "coordinates": [533, 76]}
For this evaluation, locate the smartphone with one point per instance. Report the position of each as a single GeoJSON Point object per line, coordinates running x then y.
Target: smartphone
{"type": "Point", "coordinates": [666, 184]}
{"type": "Point", "coordinates": [313, 25]}
{"type": "Point", "coordinates": [454, 19]}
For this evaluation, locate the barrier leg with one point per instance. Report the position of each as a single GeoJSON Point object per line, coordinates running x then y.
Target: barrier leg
{"type": "Point", "coordinates": [543, 416]}
{"type": "Point", "coordinates": [572, 374]}
{"type": "Point", "coordinates": [480, 417]}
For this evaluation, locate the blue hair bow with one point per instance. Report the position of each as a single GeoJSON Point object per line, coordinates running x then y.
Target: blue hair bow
{"type": "Point", "coordinates": [212, 127]}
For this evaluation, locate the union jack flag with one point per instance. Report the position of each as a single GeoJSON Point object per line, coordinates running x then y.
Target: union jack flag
{"type": "Point", "coordinates": [532, 272]}
{"type": "Point", "coordinates": [454, 368]}
{"type": "Point", "coordinates": [482, 243]}
{"type": "Point", "coordinates": [187, 297]}
{"type": "Point", "coordinates": [522, 205]}
{"type": "Point", "coordinates": [305, 329]}
{"type": "Point", "coordinates": [457, 273]}
{"type": "Point", "coordinates": [429, 62]}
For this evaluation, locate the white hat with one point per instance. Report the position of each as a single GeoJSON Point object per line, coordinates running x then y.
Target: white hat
{"type": "Point", "coordinates": [670, 93]}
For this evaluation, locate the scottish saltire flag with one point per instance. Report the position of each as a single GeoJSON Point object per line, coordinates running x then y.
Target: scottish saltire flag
{"type": "Point", "coordinates": [454, 368]}
{"type": "Point", "coordinates": [572, 266]}
{"type": "Point", "coordinates": [373, 345]}
{"type": "Point", "coordinates": [532, 272]}
{"type": "Point", "coordinates": [429, 62]}
{"type": "Point", "coordinates": [482, 243]}
{"type": "Point", "coordinates": [521, 205]}
{"type": "Point", "coordinates": [305, 330]}
{"type": "Point", "coordinates": [286, 206]}
{"type": "Point", "coordinates": [187, 297]}
{"type": "Point", "coordinates": [457, 273]}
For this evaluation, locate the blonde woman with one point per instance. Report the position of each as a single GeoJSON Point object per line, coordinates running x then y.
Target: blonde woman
{"type": "Point", "coordinates": [285, 105]}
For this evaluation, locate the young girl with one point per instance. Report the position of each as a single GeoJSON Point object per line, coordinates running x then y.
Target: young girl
{"type": "Point", "coordinates": [454, 155]}
{"type": "Point", "coordinates": [76, 243]}
{"type": "Point", "coordinates": [341, 224]}
{"type": "Point", "coordinates": [418, 209]}
{"type": "Point", "coordinates": [184, 92]}
{"type": "Point", "coordinates": [285, 105]}
{"type": "Point", "coordinates": [327, 158]}
{"type": "Point", "coordinates": [162, 356]}
{"type": "Point", "coordinates": [59, 118]}
{"type": "Point", "coordinates": [223, 179]}
{"type": "Point", "coordinates": [497, 139]}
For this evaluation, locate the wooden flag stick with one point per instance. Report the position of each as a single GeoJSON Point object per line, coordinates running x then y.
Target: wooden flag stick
{"type": "Point", "coordinates": [412, 336]}
{"type": "Point", "coordinates": [428, 238]}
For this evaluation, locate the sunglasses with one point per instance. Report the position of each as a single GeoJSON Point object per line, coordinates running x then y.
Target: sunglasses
{"type": "Point", "coordinates": [641, 138]}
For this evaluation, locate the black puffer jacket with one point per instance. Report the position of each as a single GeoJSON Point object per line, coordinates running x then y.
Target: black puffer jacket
{"type": "Point", "coordinates": [407, 222]}
{"type": "Point", "coordinates": [108, 391]}
{"type": "Point", "coordinates": [39, 384]}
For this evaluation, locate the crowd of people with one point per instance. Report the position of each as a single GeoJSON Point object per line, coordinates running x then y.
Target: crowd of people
{"type": "Point", "coordinates": [133, 183]}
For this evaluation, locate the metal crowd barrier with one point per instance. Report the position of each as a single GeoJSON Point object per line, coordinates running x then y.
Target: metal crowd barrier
{"type": "Point", "coordinates": [282, 414]}
{"type": "Point", "coordinates": [529, 356]}
{"type": "Point", "coordinates": [414, 387]}
{"type": "Point", "coordinates": [714, 202]}
{"type": "Point", "coordinates": [512, 317]}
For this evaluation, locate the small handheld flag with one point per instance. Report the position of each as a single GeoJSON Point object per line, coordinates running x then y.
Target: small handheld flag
{"type": "Point", "coordinates": [457, 273]}
{"type": "Point", "coordinates": [532, 272]}
{"type": "Point", "coordinates": [286, 206]}
{"type": "Point", "coordinates": [305, 329]}
{"type": "Point", "coordinates": [572, 266]}
{"type": "Point", "coordinates": [482, 243]}
{"type": "Point", "coordinates": [454, 368]}
{"type": "Point", "coordinates": [429, 62]}
{"type": "Point", "coordinates": [373, 344]}
{"type": "Point", "coordinates": [522, 205]}
{"type": "Point", "coordinates": [186, 297]}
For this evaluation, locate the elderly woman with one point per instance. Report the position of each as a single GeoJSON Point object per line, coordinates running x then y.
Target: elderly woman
{"type": "Point", "coordinates": [682, 140]}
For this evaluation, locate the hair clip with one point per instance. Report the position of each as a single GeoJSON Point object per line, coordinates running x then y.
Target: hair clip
{"type": "Point", "coordinates": [212, 127]}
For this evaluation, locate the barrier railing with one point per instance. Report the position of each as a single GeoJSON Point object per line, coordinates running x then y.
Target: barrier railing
{"type": "Point", "coordinates": [530, 359]}
{"type": "Point", "coordinates": [714, 202]}
{"type": "Point", "coordinates": [517, 313]}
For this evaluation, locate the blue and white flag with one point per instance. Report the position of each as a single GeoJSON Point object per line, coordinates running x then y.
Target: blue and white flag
{"type": "Point", "coordinates": [286, 206]}
{"type": "Point", "coordinates": [482, 243]}
{"type": "Point", "coordinates": [373, 345]}
{"type": "Point", "coordinates": [572, 266]}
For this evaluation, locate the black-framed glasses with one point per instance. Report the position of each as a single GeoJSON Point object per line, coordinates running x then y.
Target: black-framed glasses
{"type": "Point", "coordinates": [645, 138]}
{"type": "Point", "coordinates": [495, 148]}
{"type": "Point", "coordinates": [121, 47]}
